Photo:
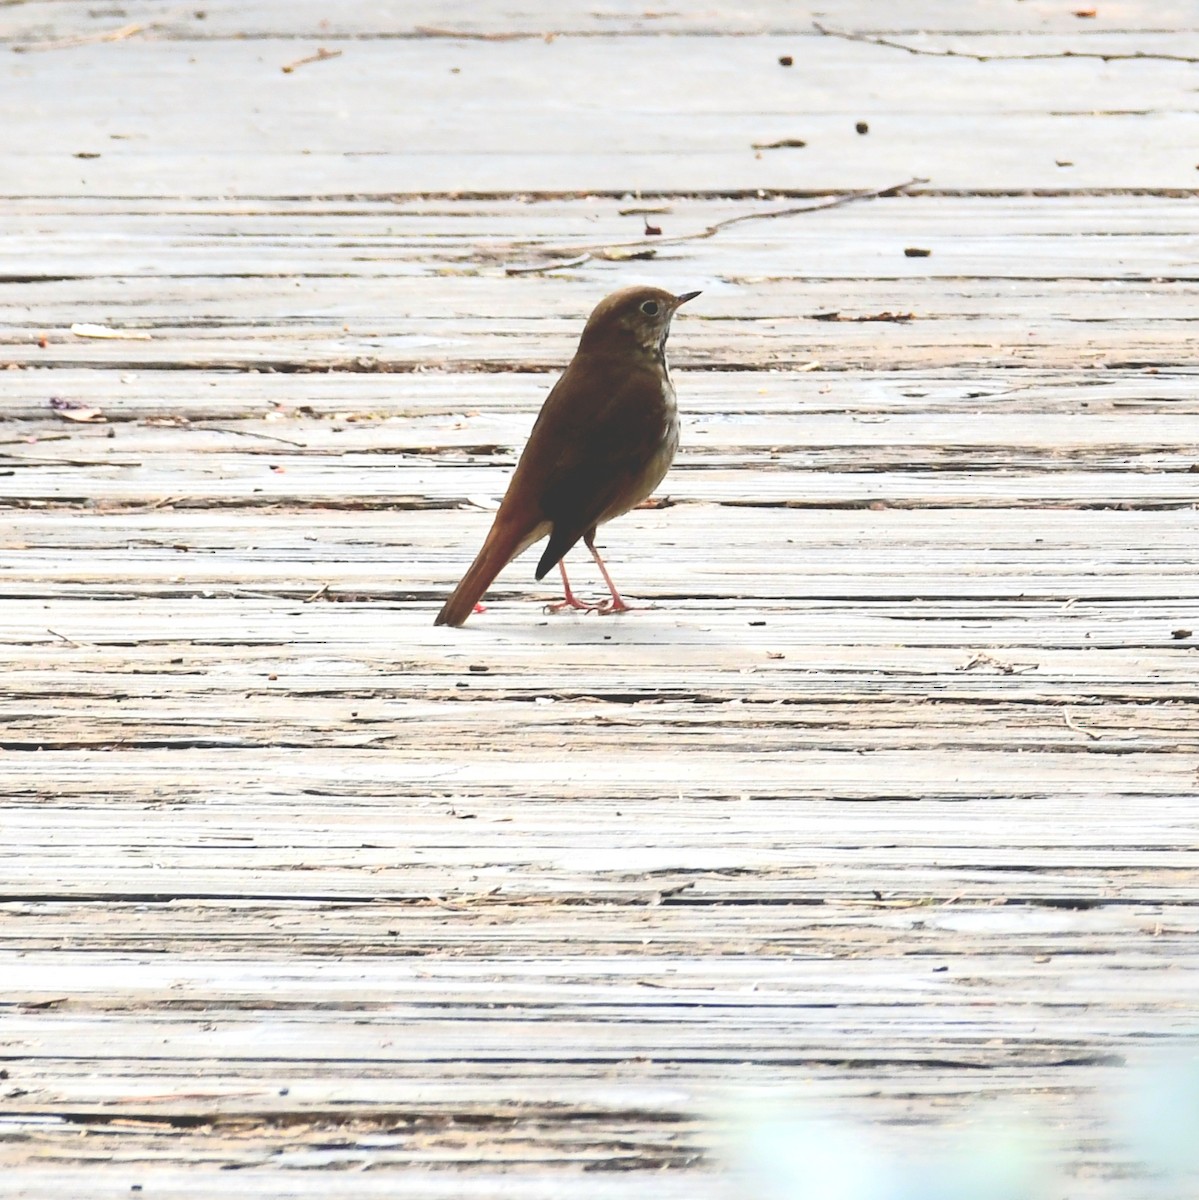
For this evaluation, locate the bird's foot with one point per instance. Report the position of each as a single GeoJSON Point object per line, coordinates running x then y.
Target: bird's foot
{"type": "Point", "coordinates": [608, 607]}
{"type": "Point", "coordinates": [574, 602]}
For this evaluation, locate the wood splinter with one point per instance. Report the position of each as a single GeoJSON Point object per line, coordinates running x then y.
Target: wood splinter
{"type": "Point", "coordinates": [320, 56]}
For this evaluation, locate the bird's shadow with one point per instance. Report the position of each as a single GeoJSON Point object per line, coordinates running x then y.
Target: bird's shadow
{"type": "Point", "coordinates": [643, 625]}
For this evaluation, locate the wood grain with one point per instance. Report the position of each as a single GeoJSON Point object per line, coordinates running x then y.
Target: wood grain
{"type": "Point", "coordinates": [882, 803]}
{"type": "Point", "coordinates": [499, 115]}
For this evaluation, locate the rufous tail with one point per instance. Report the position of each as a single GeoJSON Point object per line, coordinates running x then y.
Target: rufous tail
{"type": "Point", "coordinates": [503, 544]}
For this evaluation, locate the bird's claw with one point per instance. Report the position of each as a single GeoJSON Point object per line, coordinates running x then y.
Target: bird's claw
{"type": "Point", "coordinates": [571, 602]}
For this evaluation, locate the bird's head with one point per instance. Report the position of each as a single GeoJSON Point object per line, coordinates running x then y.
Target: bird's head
{"type": "Point", "coordinates": [635, 319]}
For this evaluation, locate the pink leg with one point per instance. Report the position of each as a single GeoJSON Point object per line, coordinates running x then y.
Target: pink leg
{"type": "Point", "coordinates": [616, 604]}
{"type": "Point", "coordinates": [571, 600]}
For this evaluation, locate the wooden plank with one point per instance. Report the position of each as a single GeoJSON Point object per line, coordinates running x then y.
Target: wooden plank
{"type": "Point", "coordinates": [38, 20]}
{"type": "Point", "coordinates": [235, 482]}
{"type": "Point", "coordinates": [783, 342]}
{"type": "Point", "coordinates": [748, 422]}
{"type": "Point", "coordinates": [200, 1179]}
{"type": "Point", "coordinates": [480, 400]}
{"type": "Point", "coordinates": [1045, 239]}
{"type": "Point", "coordinates": [489, 116]}
{"type": "Point", "coordinates": [831, 289]}
{"type": "Point", "coordinates": [882, 802]}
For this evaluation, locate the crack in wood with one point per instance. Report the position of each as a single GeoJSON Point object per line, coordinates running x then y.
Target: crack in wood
{"type": "Point", "coordinates": [949, 52]}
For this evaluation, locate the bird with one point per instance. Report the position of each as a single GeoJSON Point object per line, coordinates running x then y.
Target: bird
{"type": "Point", "coordinates": [604, 439]}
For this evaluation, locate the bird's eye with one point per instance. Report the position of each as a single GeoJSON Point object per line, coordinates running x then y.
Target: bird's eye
{"type": "Point", "coordinates": [650, 308]}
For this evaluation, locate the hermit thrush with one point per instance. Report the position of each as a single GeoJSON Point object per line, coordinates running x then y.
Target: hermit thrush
{"type": "Point", "coordinates": [604, 439]}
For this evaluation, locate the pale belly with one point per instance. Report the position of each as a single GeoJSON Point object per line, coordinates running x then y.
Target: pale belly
{"type": "Point", "coordinates": [657, 466]}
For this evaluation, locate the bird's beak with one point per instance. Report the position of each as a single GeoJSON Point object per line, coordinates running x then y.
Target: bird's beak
{"type": "Point", "coordinates": [678, 300]}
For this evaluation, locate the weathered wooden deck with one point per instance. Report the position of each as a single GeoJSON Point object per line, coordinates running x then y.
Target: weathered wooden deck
{"type": "Point", "coordinates": [884, 801]}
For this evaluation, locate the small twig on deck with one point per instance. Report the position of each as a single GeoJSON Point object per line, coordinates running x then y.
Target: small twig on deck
{"type": "Point", "coordinates": [246, 592]}
{"type": "Point", "coordinates": [266, 437]}
{"type": "Point", "coordinates": [320, 56]}
{"type": "Point", "coordinates": [83, 39]}
{"type": "Point", "coordinates": [320, 591]}
{"type": "Point", "coordinates": [1097, 737]}
{"type": "Point", "coordinates": [665, 893]}
{"type": "Point", "coordinates": [601, 249]}
{"type": "Point", "coordinates": [466, 35]}
{"type": "Point", "coordinates": [70, 462]}
{"type": "Point", "coordinates": [34, 439]}
{"type": "Point", "coordinates": [835, 202]}
{"type": "Point", "coordinates": [872, 40]}
{"type": "Point", "coordinates": [71, 641]}
{"type": "Point", "coordinates": [556, 265]}
{"type": "Point", "coordinates": [1004, 668]}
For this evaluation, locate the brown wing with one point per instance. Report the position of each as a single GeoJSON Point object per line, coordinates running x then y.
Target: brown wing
{"type": "Point", "coordinates": [596, 436]}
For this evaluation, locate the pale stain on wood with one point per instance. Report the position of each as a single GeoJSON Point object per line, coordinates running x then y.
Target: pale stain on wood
{"type": "Point", "coordinates": [885, 798]}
